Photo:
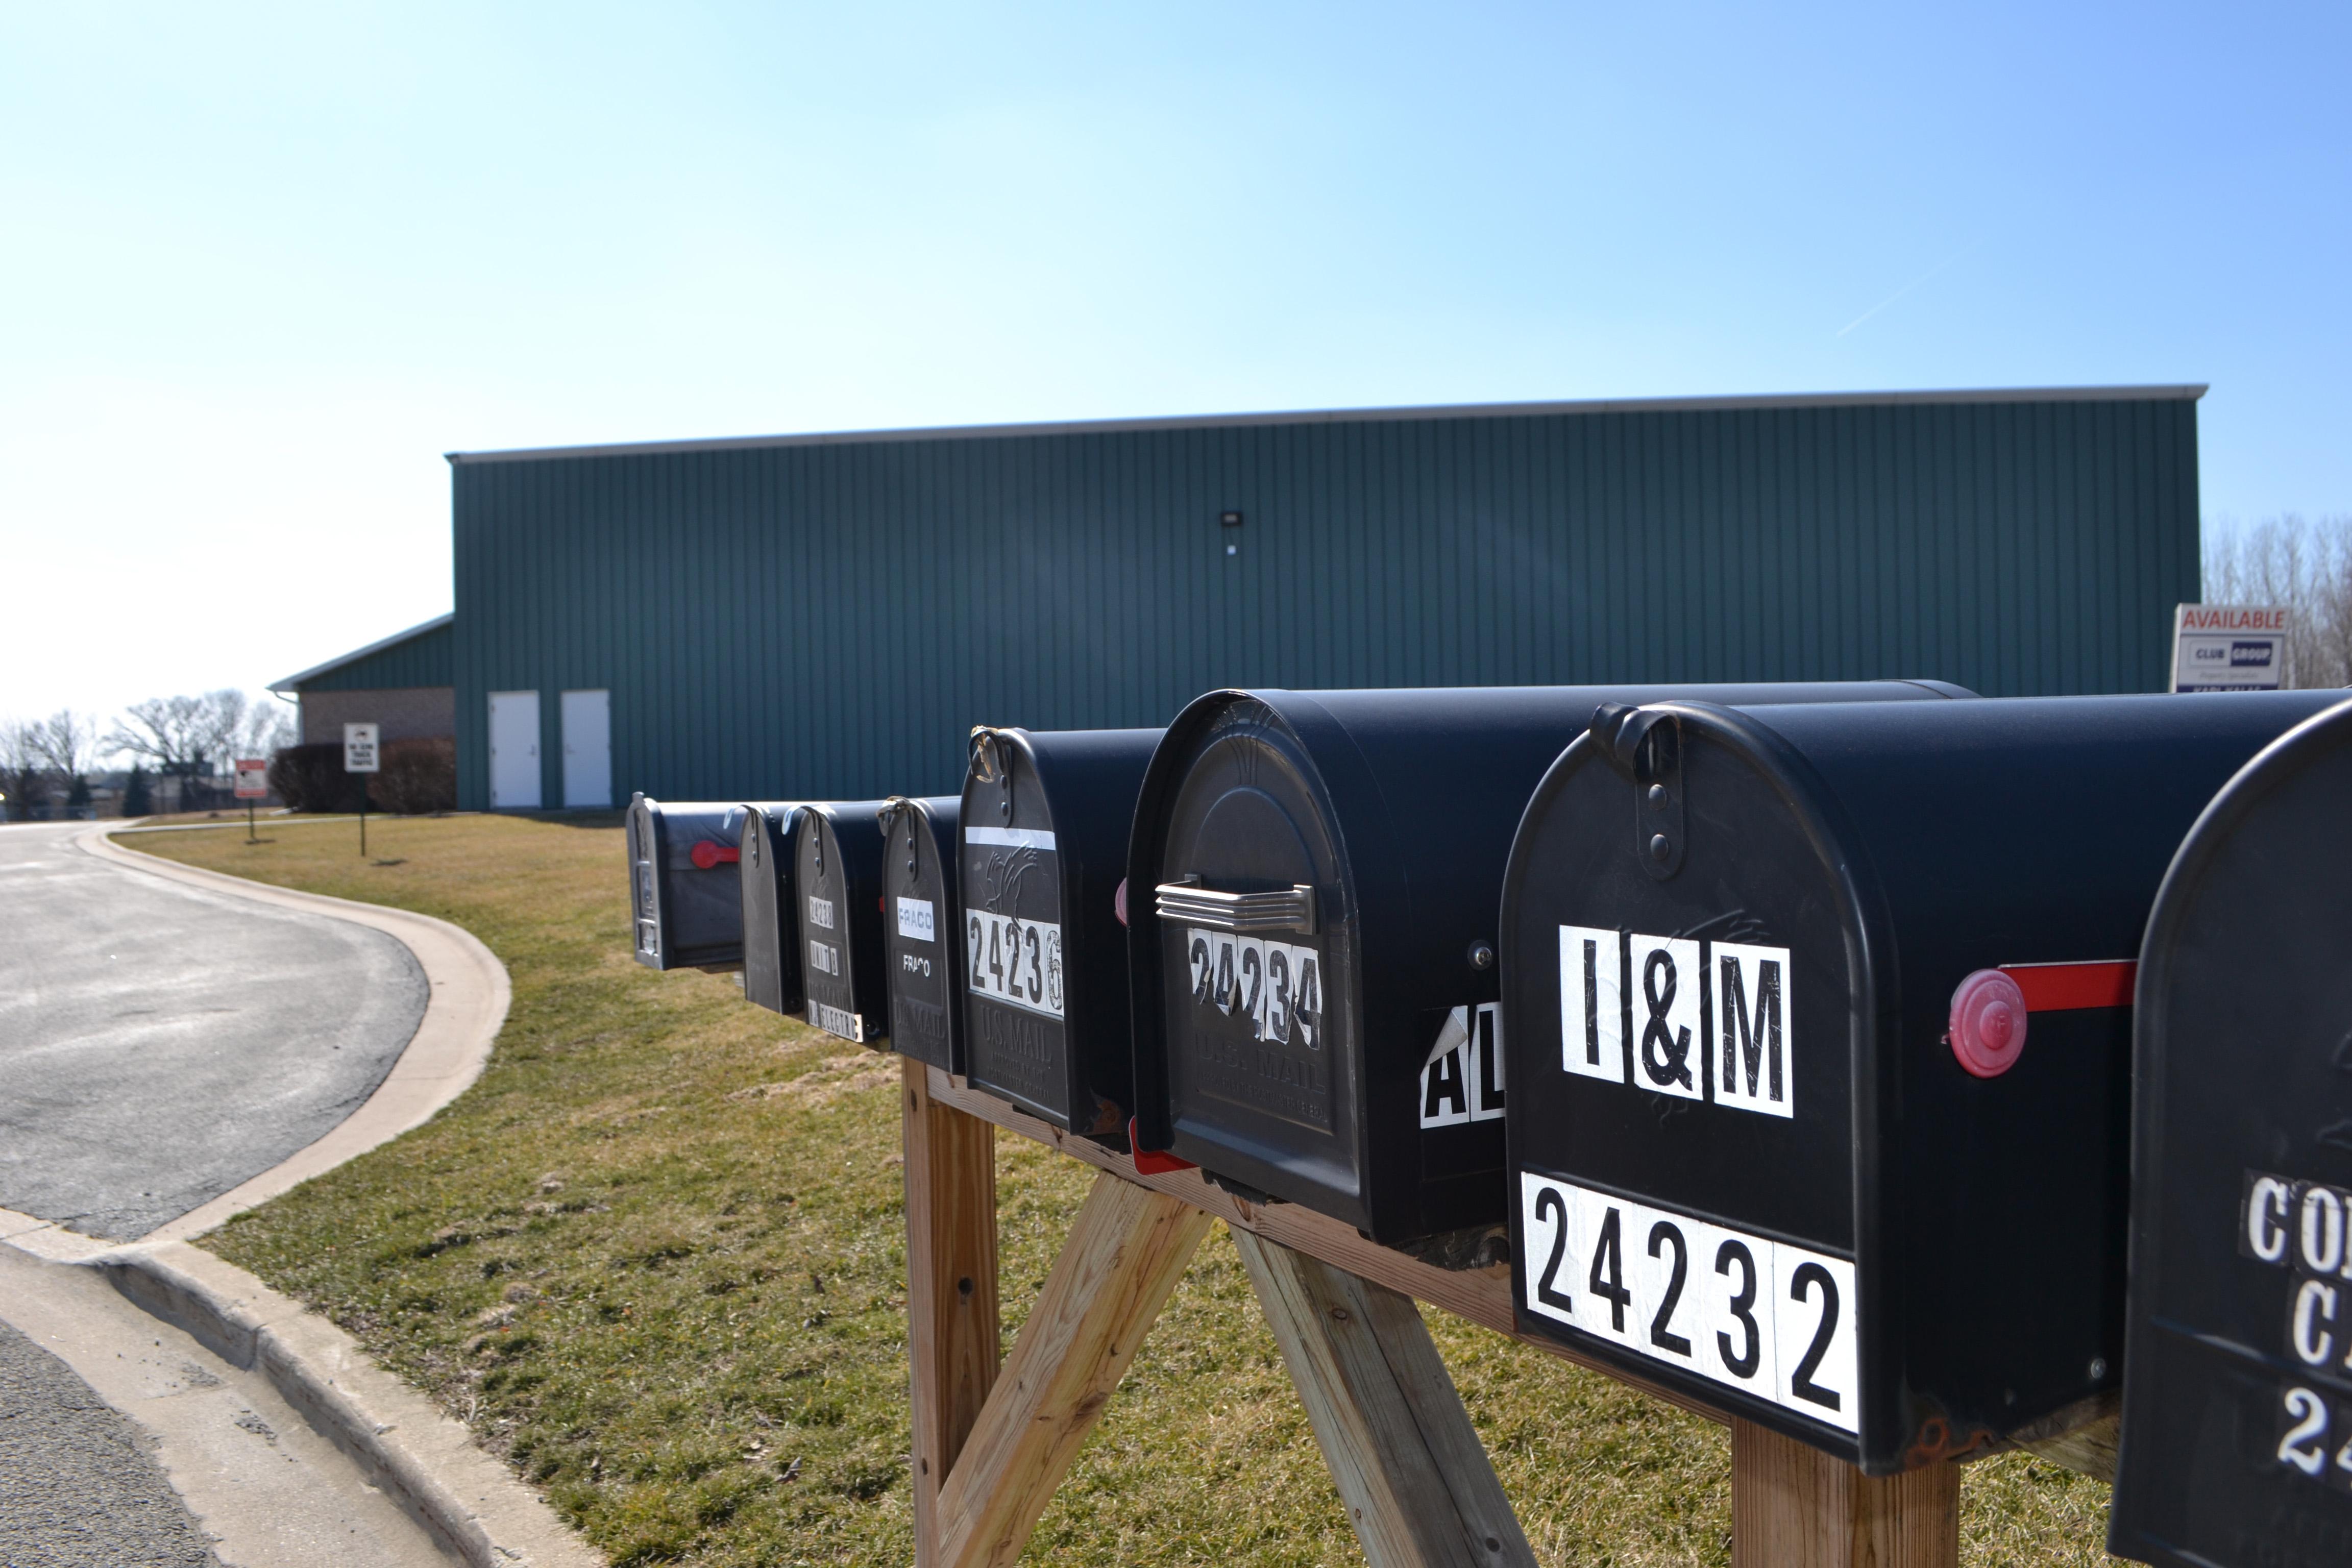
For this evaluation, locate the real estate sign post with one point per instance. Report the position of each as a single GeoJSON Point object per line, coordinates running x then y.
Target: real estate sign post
{"type": "Point", "coordinates": [252, 785]}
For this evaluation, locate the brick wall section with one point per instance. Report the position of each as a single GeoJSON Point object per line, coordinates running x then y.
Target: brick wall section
{"type": "Point", "coordinates": [405, 712]}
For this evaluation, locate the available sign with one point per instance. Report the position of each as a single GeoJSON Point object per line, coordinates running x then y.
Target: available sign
{"type": "Point", "coordinates": [2229, 648]}
{"type": "Point", "coordinates": [252, 778]}
{"type": "Point", "coordinates": [361, 753]}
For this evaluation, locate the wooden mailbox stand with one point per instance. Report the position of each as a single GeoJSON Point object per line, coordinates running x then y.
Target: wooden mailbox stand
{"type": "Point", "coordinates": [992, 1442]}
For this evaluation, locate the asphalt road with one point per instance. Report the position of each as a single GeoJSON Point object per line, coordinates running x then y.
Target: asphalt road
{"type": "Point", "coordinates": [81, 1490]}
{"type": "Point", "coordinates": [161, 1043]}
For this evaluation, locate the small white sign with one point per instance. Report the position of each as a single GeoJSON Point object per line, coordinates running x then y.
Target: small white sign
{"type": "Point", "coordinates": [2229, 648]}
{"type": "Point", "coordinates": [252, 778]}
{"type": "Point", "coordinates": [361, 753]}
{"type": "Point", "coordinates": [820, 911]}
{"type": "Point", "coordinates": [915, 920]}
{"type": "Point", "coordinates": [823, 957]}
{"type": "Point", "coordinates": [1763, 1316]}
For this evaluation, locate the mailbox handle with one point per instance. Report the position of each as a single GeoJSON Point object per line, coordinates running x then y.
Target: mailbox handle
{"type": "Point", "coordinates": [1187, 900]}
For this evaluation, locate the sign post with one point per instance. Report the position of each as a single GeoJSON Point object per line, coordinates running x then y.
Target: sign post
{"type": "Point", "coordinates": [2229, 648]}
{"type": "Point", "coordinates": [362, 756]}
{"type": "Point", "coordinates": [252, 785]}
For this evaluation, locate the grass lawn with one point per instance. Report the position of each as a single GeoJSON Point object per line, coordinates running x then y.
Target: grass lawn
{"type": "Point", "coordinates": [656, 1259]}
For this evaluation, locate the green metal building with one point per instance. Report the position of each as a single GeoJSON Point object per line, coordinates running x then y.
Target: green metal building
{"type": "Point", "coordinates": [826, 616]}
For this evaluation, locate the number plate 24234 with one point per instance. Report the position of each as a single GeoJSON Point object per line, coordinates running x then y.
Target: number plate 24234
{"type": "Point", "coordinates": [1772, 1320]}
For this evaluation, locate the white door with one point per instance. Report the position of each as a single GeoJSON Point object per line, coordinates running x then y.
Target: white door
{"type": "Point", "coordinates": [514, 750]}
{"type": "Point", "coordinates": [587, 749]}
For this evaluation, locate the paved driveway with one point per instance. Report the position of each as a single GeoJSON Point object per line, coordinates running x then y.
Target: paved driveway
{"type": "Point", "coordinates": [161, 1043]}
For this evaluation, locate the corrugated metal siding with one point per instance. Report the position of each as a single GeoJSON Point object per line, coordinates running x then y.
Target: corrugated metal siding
{"type": "Point", "coordinates": [830, 620]}
{"type": "Point", "coordinates": [428, 659]}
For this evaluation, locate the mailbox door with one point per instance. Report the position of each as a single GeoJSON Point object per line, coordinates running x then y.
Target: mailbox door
{"type": "Point", "coordinates": [1683, 1108]}
{"type": "Point", "coordinates": [1255, 995]}
{"type": "Point", "coordinates": [840, 915]}
{"type": "Point", "coordinates": [688, 908]}
{"type": "Point", "coordinates": [2237, 1430]}
{"type": "Point", "coordinates": [644, 883]}
{"type": "Point", "coordinates": [923, 938]}
{"type": "Point", "coordinates": [1044, 833]}
{"type": "Point", "coordinates": [1017, 976]}
{"type": "Point", "coordinates": [768, 858]}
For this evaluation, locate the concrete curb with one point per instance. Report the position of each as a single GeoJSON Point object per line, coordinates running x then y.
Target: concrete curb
{"type": "Point", "coordinates": [426, 1462]}
{"type": "Point", "coordinates": [469, 994]}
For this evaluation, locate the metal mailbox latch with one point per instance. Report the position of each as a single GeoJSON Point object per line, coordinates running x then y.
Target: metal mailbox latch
{"type": "Point", "coordinates": [1189, 901]}
{"type": "Point", "coordinates": [1645, 746]}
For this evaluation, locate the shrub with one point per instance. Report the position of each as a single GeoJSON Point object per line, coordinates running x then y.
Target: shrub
{"type": "Point", "coordinates": [419, 776]}
{"type": "Point", "coordinates": [311, 778]}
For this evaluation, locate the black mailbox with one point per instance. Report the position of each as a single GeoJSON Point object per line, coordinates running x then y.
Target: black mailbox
{"type": "Point", "coordinates": [1044, 833]}
{"type": "Point", "coordinates": [767, 862]}
{"type": "Point", "coordinates": [1819, 1046]}
{"type": "Point", "coordinates": [1314, 878]}
{"type": "Point", "coordinates": [688, 911]}
{"type": "Point", "coordinates": [838, 861]}
{"type": "Point", "coordinates": [2237, 1430]}
{"type": "Point", "coordinates": [922, 943]}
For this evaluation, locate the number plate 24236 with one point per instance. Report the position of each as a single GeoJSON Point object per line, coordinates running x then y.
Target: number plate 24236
{"type": "Point", "coordinates": [1765, 1316]}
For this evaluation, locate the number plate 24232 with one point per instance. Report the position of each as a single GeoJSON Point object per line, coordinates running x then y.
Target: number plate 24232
{"type": "Point", "coordinates": [1772, 1320]}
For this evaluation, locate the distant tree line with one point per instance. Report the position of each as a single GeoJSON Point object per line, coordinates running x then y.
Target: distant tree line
{"type": "Point", "coordinates": [177, 748]}
{"type": "Point", "coordinates": [2302, 564]}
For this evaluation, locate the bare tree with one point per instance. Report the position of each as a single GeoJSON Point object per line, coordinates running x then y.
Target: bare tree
{"type": "Point", "coordinates": [268, 729]}
{"type": "Point", "coordinates": [22, 761]}
{"type": "Point", "coordinates": [189, 737]}
{"type": "Point", "coordinates": [2305, 566]}
{"type": "Point", "coordinates": [68, 743]}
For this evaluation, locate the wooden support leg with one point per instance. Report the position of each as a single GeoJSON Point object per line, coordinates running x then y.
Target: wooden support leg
{"type": "Point", "coordinates": [1124, 1255]}
{"type": "Point", "coordinates": [951, 1328]}
{"type": "Point", "coordinates": [1793, 1505]}
{"type": "Point", "coordinates": [1414, 1477]}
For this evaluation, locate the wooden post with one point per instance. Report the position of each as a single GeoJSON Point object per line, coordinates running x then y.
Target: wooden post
{"type": "Point", "coordinates": [1124, 1255]}
{"type": "Point", "coordinates": [1793, 1505]}
{"type": "Point", "coordinates": [1414, 1477]}
{"type": "Point", "coordinates": [952, 1346]}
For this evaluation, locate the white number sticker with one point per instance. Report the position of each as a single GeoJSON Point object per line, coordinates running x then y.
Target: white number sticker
{"type": "Point", "coordinates": [915, 920]}
{"type": "Point", "coordinates": [839, 1021]}
{"type": "Point", "coordinates": [1462, 1081]}
{"type": "Point", "coordinates": [1774, 1320]}
{"type": "Point", "coordinates": [820, 911]}
{"type": "Point", "coordinates": [823, 957]}
{"type": "Point", "coordinates": [1014, 961]}
{"type": "Point", "coordinates": [1277, 987]}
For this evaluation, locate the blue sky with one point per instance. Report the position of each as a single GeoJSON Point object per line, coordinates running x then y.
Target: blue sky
{"type": "Point", "coordinates": [263, 265]}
